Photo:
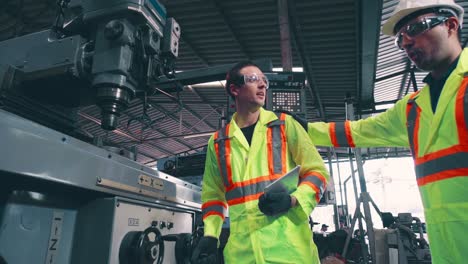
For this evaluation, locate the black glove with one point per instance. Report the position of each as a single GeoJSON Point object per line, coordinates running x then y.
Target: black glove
{"type": "Point", "coordinates": [206, 251]}
{"type": "Point", "coordinates": [299, 119]}
{"type": "Point", "coordinates": [274, 203]}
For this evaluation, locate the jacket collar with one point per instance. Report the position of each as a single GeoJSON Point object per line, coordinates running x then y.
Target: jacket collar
{"type": "Point", "coordinates": [449, 91]}
{"type": "Point", "coordinates": [264, 118]}
{"type": "Point", "coordinates": [461, 69]}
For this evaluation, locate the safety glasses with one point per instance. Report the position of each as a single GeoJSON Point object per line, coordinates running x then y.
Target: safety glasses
{"type": "Point", "coordinates": [255, 78]}
{"type": "Point", "coordinates": [414, 29]}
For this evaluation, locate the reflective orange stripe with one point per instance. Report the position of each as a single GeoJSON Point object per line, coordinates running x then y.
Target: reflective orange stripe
{"type": "Point", "coordinates": [211, 203]}
{"type": "Point", "coordinates": [340, 134]}
{"type": "Point", "coordinates": [276, 145]}
{"type": "Point", "coordinates": [316, 181]}
{"type": "Point", "coordinates": [461, 112]}
{"type": "Point", "coordinates": [214, 208]}
{"type": "Point", "coordinates": [349, 136]}
{"type": "Point", "coordinates": [271, 161]}
{"type": "Point", "coordinates": [332, 131]}
{"type": "Point", "coordinates": [440, 153]}
{"type": "Point", "coordinates": [248, 190]}
{"type": "Point", "coordinates": [244, 199]}
{"type": "Point", "coordinates": [213, 213]}
{"type": "Point", "coordinates": [283, 144]}
{"type": "Point", "coordinates": [413, 113]}
{"type": "Point", "coordinates": [228, 161]}
{"type": "Point", "coordinates": [446, 163]}
{"type": "Point", "coordinates": [222, 146]}
{"type": "Point", "coordinates": [216, 146]}
{"type": "Point", "coordinates": [463, 172]}
{"type": "Point", "coordinates": [254, 181]}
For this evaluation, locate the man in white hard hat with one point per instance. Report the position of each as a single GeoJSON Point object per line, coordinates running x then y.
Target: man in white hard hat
{"type": "Point", "coordinates": [433, 121]}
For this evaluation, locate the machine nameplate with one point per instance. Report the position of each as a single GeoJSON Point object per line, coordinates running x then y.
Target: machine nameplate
{"type": "Point", "coordinates": [151, 182]}
{"type": "Point", "coordinates": [127, 188]}
{"type": "Point", "coordinates": [133, 222]}
{"type": "Point", "coordinates": [54, 240]}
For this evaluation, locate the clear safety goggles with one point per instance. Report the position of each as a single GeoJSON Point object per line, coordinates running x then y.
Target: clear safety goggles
{"type": "Point", "coordinates": [416, 28]}
{"type": "Point", "coordinates": [255, 78]}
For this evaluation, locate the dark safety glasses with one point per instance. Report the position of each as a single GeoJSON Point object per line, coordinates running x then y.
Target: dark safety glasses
{"type": "Point", "coordinates": [254, 78]}
{"type": "Point", "coordinates": [414, 29]}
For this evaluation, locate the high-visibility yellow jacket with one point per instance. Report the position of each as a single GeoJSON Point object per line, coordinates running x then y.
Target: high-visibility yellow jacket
{"type": "Point", "coordinates": [439, 145]}
{"type": "Point", "coordinates": [237, 180]}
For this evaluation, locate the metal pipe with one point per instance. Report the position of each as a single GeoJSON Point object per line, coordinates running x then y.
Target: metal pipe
{"type": "Point", "coordinates": [358, 205]}
{"type": "Point", "coordinates": [346, 198]}
{"type": "Point", "coordinates": [365, 197]}
{"type": "Point", "coordinates": [339, 177]}
{"type": "Point", "coordinates": [285, 35]}
{"type": "Point", "coordinates": [305, 58]}
{"type": "Point", "coordinates": [335, 209]}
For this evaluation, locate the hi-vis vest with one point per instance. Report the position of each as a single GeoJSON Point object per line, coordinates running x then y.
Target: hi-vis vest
{"type": "Point", "coordinates": [241, 192]}
{"type": "Point", "coordinates": [445, 163]}
{"type": "Point", "coordinates": [439, 145]}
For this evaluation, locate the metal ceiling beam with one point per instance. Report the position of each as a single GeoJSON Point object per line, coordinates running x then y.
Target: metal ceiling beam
{"type": "Point", "coordinates": [209, 74]}
{"type": "Point", "coordinates": [229, 24]}
{"type": "Point", "coordinates": [368, 29]}
{"type": "Point", "coordinates": [187, 101]}
{"type": "Point", "coordinates": [296, 33]}
{"type": "Point", "coordinates": [176, 119]}
{"type": "Point", "coordinates": [413, 80]}
{"type": "Point", "coordinates": [162, 133]}
{"type": "Point", "coordinates": [184, 106]}
{"type": "Point", "coordinates": [179, 153]}
{"type": "Point", "coordinates": [392, 64]}
{"type": "Point", "coordinates": [285, 35]}
{"type": "Point", "coordinates": [189, 45]}
{"type": "Point", "coordinates": [200, 118]}
{"type": "Point", "coordinates": [167, 151]}
{"type": "Point", "coordinates": [386, 77]}
{"type": "Point", "coordinates": [123, 134]}
{"type": "Point", "coordinates": [404, 80]}
{"type": "Point", "coordinates": [203, 99]}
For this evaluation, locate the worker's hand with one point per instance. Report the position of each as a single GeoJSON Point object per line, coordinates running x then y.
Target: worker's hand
{"type": "Point", "coordinates": [206, 251]}
{"type": "Point", "coordinates": [274, 203]}
{"type": "Point", "coordinates": [299, 119]}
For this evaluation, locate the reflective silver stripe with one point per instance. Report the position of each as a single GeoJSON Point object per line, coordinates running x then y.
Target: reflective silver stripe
{"type": "Point", "coordinates": [223, 134]}
{"type": "Point", "coordinates": [411, 124]}
{"type": "Point", "coordinates": [340, 131]}
{"type": "Point", "coordinates": [214, 208]}
{"type": "Point", "coordinates": [450, 162]}
{"type": "Point", "coordinates": [315, 181]}
{"type": "Point", "coordinates": [247, 190]}
{"type": "Point", "coordinates": [275, 127]}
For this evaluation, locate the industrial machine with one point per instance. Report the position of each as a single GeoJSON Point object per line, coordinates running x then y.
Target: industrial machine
{"type": "Point", "coordinates": [403, 241]}
{"type": "Point", "coordinates": [63, 199]}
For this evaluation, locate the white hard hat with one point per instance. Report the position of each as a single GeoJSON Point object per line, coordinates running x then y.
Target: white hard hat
{"type": "Point", "coordinates": [407, 7]}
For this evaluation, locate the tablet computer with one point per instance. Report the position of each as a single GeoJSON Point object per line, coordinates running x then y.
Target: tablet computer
{"type": "Point", "coordinates": [287, 183]}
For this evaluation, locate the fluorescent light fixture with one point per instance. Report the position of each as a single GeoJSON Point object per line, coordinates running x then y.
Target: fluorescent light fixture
{"type": "Point", "coordinates": [383, 107]}
{"type": "Point", "coordinates": [198, 135]}
{"type": "Point", "coordinates": [294, 69]}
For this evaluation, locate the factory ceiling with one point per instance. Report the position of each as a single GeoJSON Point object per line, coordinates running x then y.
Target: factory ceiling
{"type": "Point", "coordinates": [337, 42]}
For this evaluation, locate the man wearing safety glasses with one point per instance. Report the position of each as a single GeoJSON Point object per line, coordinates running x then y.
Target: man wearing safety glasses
{"type": "Point", "coordinates": [254, 149]}
{"type": "Point", "coordinates": [433, 121]}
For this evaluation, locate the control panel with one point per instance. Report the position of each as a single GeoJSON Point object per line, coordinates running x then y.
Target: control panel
{"type": "Point", "coordinates": [118, 230]}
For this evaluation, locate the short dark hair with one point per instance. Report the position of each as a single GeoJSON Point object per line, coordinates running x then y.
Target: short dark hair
{"type": "Point", "coordinates": [440, 11]}
{"type": "Point", "coordinates": [234, 76]}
